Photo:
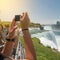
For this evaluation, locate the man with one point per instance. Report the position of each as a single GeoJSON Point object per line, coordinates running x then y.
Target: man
{"type": "Point", "coordinates": [28, 45]}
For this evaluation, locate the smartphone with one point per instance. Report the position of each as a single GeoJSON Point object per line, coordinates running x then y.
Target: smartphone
{"type": "Point", "coordinates": [17, 17]}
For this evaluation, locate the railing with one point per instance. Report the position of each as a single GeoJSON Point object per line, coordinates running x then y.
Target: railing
{"type": "Point", "coordinates": [19, 51]}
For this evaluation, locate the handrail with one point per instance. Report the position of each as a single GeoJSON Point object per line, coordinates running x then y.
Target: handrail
{"type": "Point", "coordinates": [19, 51]}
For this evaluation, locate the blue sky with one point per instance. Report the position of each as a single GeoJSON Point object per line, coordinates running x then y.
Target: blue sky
{"type": "Point", "coordinates": [46, 11]}
{"type": "Point", "coordinates": [40, 11]}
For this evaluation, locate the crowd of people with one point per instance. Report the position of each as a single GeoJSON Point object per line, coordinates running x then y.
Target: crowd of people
{"type": "Point", "coordinates": [11, 41]}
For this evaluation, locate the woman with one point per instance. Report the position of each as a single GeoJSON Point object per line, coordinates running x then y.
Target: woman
{"type": "Point", "coordinates": [28, 45]}
{"type": "Point", "coordinates": [1, 34]}
{"type": "Point", "coordinates": [1, 37]}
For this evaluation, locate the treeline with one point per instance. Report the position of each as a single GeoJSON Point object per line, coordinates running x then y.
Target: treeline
{"type": "Point", "coordinates": [34, 25]}
{"type": "Point", "coordinates": [31, 25]}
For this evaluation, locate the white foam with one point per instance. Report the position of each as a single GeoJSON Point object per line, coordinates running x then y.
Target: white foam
{"type": "Point", "coordinates": [47, 42]}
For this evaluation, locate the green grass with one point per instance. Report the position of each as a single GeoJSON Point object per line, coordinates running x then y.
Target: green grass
{"type": "Point", "coordinates": [44, 53]}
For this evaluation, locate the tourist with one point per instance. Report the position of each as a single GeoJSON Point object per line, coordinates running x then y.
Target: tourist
{"type": "Point", "coordinates": [30, 53]}
{"type": "Point", "coordinates": [1, 37]}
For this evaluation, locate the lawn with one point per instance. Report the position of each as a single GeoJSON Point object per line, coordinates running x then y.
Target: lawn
{"type": "Point", "coordinates": [42, 52]}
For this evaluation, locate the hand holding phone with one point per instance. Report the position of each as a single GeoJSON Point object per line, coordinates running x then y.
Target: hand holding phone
{"type": "Point", "coordinates": [17, 17]}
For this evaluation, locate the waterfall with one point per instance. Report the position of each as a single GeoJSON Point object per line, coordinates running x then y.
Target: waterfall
{"type": "Point", "coordinates": [50, 37]}
{"type": "Point", "coordinates": [47, 27]}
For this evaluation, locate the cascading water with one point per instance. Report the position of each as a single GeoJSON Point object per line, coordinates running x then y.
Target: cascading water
{"type": "Point", "coordinates": [47, 28]}
{"type": "Point", "coordinates": [57, 35]}
{"type": "Point", "coordinates": [50, 37]}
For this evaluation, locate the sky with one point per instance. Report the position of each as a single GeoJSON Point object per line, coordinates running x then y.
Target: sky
{"type": "Point", "coordinates": [39, 11]}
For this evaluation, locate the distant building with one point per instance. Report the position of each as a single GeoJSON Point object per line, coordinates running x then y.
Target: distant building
{"type": "Point", "coordinates": [58, 23]}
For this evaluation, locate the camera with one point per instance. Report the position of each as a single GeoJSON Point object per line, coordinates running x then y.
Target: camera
{"type": "Point", "coordinates": [17, 17]}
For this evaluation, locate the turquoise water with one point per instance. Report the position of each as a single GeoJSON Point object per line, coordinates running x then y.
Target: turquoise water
{"type": "Point", "coordinates": [56, 32]}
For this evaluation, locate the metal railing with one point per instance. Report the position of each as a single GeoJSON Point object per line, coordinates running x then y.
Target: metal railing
{"type": "Point", "coordinates": [19, 51]}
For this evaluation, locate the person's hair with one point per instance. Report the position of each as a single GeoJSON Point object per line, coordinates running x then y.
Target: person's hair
{"type": "Point", "coordinates": [1, 26]}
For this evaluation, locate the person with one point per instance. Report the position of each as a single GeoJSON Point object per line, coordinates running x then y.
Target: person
{"type": "Point", "coordinates": [1, 34]}
{"type": "Point", "coordinates": [30, 53]}
{"type": "Point", "coordinates": [1, 38]}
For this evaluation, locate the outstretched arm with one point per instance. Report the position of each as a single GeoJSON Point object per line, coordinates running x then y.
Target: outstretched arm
{"type": "Point", "coordinates": [28, 45]}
